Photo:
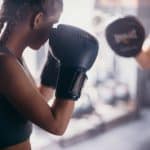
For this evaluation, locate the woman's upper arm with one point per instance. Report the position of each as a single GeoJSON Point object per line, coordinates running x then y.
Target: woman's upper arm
{"type": "Point", "coordinates": [23, 95]}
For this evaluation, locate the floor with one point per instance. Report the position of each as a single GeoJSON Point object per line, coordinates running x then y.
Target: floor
{"type": "Point", "coordinates": [133, 135]}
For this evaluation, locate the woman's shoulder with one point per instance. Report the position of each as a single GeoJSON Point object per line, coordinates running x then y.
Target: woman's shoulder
{"type": "Point", "coordinates": [6, 57]}
{"type": "Point", "coordinates": [7, 62]}
{"type": "Point", "coordinates": [7, 65]}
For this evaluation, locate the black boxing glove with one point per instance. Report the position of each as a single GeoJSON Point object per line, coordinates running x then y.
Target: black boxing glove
{"type": "Point", "coordinates": [49, 75]}
{"type": "Point", "coordinates": [77, 50]}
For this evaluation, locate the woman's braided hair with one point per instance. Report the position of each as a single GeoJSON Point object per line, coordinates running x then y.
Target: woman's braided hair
{"type": "Point", "coordinates": [13, 11]}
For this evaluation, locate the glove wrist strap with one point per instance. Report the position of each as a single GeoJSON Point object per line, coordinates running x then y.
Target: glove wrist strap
{"type": "Point", "coordinates": [71, 89]}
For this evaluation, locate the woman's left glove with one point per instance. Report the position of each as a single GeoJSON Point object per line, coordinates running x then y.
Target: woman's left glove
{"type": "Point", "coordinates": [50, 72]}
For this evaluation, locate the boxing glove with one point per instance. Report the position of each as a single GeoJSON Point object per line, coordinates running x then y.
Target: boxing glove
{"type": "Point", "coordinates": [49, 75]}
{"type": "Point", "coordinates": [77, 50]}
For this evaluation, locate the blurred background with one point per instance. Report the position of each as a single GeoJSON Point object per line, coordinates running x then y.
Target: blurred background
{"type": "Point", "coordinates": [113, 111]}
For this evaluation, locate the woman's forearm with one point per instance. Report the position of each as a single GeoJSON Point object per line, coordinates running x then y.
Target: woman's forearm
{"type": "Point", "coordinates": [62, 112]}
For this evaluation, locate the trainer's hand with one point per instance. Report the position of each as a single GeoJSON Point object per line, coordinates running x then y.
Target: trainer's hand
{"type": "Point", "coordinates": [126, 36]}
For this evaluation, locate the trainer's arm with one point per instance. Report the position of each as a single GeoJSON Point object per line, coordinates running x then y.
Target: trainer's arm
{"type": "Point", "coordinates": [143, 58]}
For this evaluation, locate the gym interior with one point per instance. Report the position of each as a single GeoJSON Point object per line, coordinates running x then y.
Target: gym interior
{"type": "Point", "coordinates": [113, 110]}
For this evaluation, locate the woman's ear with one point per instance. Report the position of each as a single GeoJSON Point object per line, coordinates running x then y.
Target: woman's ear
{"type": "Point", "coordinates": [38, 20]}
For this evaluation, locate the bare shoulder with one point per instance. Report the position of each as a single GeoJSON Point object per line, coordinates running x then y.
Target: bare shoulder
{"type": "Point", "coordinates": [6, 59]}
{"type": "Point", "coordinates": [9, 67]}
{"type": "Point", "coordinates": [8, 64]}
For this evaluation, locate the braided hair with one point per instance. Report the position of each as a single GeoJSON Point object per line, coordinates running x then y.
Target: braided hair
{"type": "Point", "coordinates": [13, 11]}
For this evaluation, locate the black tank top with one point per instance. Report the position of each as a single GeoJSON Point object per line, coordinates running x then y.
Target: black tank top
{"type": "Point", "coordinates": [14, 128]}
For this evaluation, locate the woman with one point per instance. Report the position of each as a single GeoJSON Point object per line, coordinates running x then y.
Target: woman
{"type": "Point", "coordinates": [26, 23]}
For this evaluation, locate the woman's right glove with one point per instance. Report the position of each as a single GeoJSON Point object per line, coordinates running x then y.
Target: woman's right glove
{"type": "Point", "coordinates": [77, 50]}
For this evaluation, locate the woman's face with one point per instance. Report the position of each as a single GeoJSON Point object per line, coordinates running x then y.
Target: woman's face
{"type": "Point", "coordinates": [40, 35]}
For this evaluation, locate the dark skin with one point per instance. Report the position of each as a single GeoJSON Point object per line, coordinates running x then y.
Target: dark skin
{"type": "Point", "coordinates": [22, 92]}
